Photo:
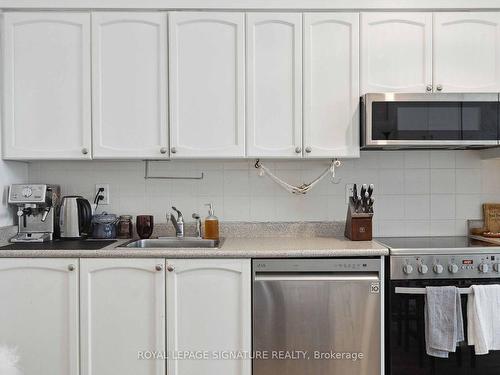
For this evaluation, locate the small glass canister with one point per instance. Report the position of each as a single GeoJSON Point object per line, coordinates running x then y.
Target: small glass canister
{"type": "Point", "coordinates": [125, 226]}
{"type": "Point", "coordinates": [104, 226]}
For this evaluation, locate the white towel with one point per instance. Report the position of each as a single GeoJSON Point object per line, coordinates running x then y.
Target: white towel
{"type": "Point", "coordinates": [483, 318]}
{"type": "Point", "coordinates": [9, 361]}
{"type": "Point", "coordinates": [444, 327]}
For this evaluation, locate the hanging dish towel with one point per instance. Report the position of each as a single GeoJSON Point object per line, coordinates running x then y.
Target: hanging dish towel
{"type": "Point", "coordinates": [483, 318]}
{"type": "Point", "coordinates": [444, 328]}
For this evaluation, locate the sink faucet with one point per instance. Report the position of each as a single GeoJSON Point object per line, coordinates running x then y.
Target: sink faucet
{"type": "Point", "coordinates": [178, 223]}
{"type": "Point", "coordinates": [198, 225]}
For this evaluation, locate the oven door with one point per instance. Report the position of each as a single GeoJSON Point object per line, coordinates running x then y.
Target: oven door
{"type": "Point", "coordinates": [405, 341]}
{"type": "Point", "coordinates": [430, 120]}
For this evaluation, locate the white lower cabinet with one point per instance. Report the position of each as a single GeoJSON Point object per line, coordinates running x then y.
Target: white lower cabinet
{"type": "Point", "coordinates": [107, 316]}
{"type": "Point", "coordinates": [209, 309]}
{"type": "Point", "coordinates": [122, 314]}
{"type": "Point", "coordinates": [39, 314]}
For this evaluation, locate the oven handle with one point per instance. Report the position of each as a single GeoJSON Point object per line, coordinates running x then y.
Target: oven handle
{"type": "Point", "coordinates": [401, 290]}
{"type": "Point", "coordinates": [316, 276]}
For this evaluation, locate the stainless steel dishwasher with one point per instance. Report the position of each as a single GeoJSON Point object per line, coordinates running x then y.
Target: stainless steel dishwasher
{"type": "Point", "coordinates": [318, 316]}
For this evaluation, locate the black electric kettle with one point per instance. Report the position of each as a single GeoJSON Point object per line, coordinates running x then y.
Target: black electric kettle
{"type": "Point", "coordinates": [75, 217]}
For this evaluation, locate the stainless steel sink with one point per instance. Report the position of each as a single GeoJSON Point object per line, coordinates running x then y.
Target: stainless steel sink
{"type": "Point", "coordinates": [173, 242]}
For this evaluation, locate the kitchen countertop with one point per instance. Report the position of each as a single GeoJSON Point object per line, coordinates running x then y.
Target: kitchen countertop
{"type": "Point", "coordinates": [269, 247]}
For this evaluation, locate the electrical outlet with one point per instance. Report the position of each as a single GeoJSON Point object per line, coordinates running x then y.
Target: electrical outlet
{"type": "Point", "coordinates": [349, 190]}
{"type": "Point", "coordinates": [105, 193]}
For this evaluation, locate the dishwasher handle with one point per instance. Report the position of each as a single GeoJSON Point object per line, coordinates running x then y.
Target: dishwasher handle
{"type": "Point", "coordinates": [317, 276]}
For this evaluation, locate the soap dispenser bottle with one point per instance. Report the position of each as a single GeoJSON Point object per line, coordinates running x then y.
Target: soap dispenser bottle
{"type": "Point", "coordinates": [211, 224]}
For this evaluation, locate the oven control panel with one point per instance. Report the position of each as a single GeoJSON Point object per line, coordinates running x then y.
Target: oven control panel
{"type": "Point", "coordinates": [445, 266]}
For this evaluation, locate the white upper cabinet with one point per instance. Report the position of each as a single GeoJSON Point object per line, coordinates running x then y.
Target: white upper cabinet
{"type": "Point", "coordinates": [39, 314]}
{"type": "Point", "coordinates": [46, 96]}
{"type": "Point", "coordinates": [209, 309]}
{"type": "Point", "coordinates": [396, 52]}
{"type": "Point", "coordinates": [207, 84]}
{"type": "Point", "coordinates": [331, 85]}
{"type": "Point", "coordinates": [274, 84]}
{"type": "Point", "coordinates": [467, 52]}
{"type": "Point", "coordinates": [129, 79]}
{"type": "Point", "coordinates": [122, 313]}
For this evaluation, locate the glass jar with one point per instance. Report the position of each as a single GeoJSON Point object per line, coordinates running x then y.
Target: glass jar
{"type": "Point", "coordinates": [104, 226]}
{"type": "Point", "coordinates": [125, 226]}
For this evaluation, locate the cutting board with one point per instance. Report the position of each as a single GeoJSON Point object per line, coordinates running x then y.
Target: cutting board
{"type": "Point", "coordinates": [492, 217]}
{"type": "Point", "coordinates": [494, 241]}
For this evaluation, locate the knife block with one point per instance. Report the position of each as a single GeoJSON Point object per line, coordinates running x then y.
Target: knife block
{"type": "Point", "coordinates": [358, 226]}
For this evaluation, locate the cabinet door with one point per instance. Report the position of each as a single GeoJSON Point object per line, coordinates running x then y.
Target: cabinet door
{"type": "Point", "coordinates": [39, 314]}
{"type": "Point", "coordinates": [209, 309]}
{"type": "Point", "coordinates": [123, 313]}
{"type": "Point", "coordinates": [467, 52]}
{"type": "Point", "coordinates": [129, 77]}
{"type": "Point", "coordinates": [396, 52]}
{"type": "Point", "coordinates": [331, 85]}
{"type": "Point", "coordinates": [46, 85]}
{"type": "Point", "coordinates": [274, 84]}
{"type": "Point", "coordinates": [207, 84]}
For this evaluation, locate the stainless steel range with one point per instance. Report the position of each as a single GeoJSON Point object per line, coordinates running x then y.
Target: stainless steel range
{"type": "Point", "coordinates": [414, 264]}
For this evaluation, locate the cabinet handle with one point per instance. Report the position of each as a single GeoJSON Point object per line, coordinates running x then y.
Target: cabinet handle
{"type": "Point", "coordinates": [159, 267]}
{"type": "Point", "coordinates": [85, 151]}
{"type": "Point", "coordinates": [173, 150]}
{"type": "Point", "coordinates": [439, 87]}
{"type": "Point", "coordinates": [71, 267]}
{"type": "Point", "coordinates": [170, 268]}
{"type": "Point", "coordinates": [163, 150]}
{"type": "Point", "coordinates": [298, 150]}
{"type": "Point", "coordinates": [429, 88]}
{"type": "Point", "coordinates": [308, 149]}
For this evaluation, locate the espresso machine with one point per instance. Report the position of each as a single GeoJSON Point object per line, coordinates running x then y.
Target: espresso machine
{"type": "Point", "coordinates": [36, 211]}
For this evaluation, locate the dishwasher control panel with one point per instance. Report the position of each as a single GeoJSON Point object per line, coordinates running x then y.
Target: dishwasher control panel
{"type": "Point", "coordinates": [463, 266]}
{"type": "Point", "coordinates": [317, 265]}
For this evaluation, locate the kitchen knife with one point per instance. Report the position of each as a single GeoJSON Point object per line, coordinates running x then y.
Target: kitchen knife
{"type": "Point", "coordinates": [355, 193]}
{"type": "Point", "coordinates": [366, 200]}
{"type": "Point", "coordinates": [370, 204]}
{"type": "Point", "coordinates": [370, 190]}
{"type": "Point", "coordinates": [357, 205]}
{"type": "Point", "coordinates": [363, 190]}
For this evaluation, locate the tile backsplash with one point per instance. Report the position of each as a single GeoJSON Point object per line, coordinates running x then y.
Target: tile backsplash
{"type": "Point", "coordinates": [417, 192]}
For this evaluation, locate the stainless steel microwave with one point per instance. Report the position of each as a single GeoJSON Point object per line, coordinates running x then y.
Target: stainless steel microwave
{"type": "Point", "coordinates": [435, 120]}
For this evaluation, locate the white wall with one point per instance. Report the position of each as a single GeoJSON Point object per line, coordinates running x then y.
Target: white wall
{"type": "Point", "coordinates": [10, 172]}
{"type": "Point", "coordinates": [417, 192]}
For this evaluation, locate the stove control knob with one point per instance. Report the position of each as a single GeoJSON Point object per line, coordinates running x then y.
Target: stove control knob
{"type": "Point", "coordinates": [423, 269]}
{"type": "Point", "coordinates": [453, 268]}
{"type": "Point", "coordinates": [496, 267]}
{"type": "Point", "coordinates": [438, 268]}
{"type": "Point", "coordinates": [407, 269]}
{"type": "Point", "coordinates": [484, 268]}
